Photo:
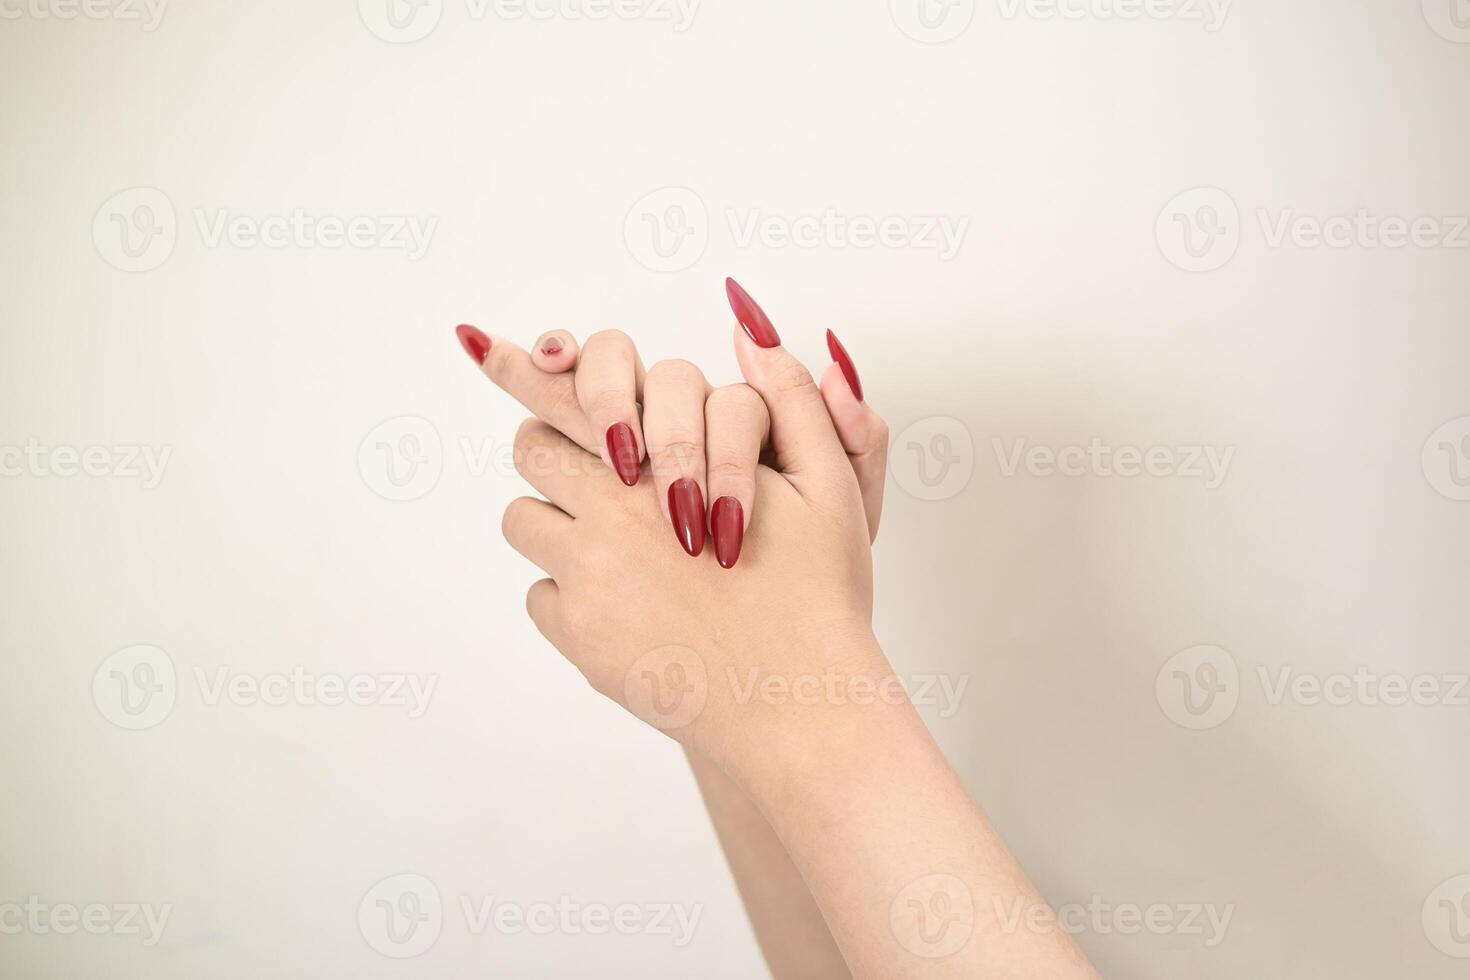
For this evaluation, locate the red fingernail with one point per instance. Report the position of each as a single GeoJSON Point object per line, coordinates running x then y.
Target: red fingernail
{"type": "Point", "coordinates": [839, 354]}
{"type": "Point", "coordinates": [552, 345]}
{"type": "Point", "coordinates": [686, 506]}
{"type": "Point", "coordinates": [622, 449]}
{"type": "Point", "coordinates": [727, 522]}
{"type": "Point", "coordinates": [751, 316]}
{"type": "Point", "coordinates": [475, 343]}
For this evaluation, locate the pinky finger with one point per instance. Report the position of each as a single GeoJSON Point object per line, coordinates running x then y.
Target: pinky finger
{"type": "Point", "coordinates": [555, 352]}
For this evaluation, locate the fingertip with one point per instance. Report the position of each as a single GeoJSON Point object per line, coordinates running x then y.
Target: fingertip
{"type": "Point", "coordinates": [555, 352]}
{"type": "Point", "coordinates": [624, 454]}
{"type": "Point", "coordinates": [754, 319]}
{"type": "Point", "coordinates": [474, 341]}
{"type": "Point", "coordinates": [728, 521]}
{"type": "Point", "coordinates": [842, 360]}
{"type": "Point", "coordinates": [752, 357]}
{"type": "Point", "coordinates": [851, 418]}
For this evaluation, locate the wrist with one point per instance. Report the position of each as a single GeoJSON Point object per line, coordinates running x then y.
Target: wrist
{"type": "Point", "coordinates": [790, 731]}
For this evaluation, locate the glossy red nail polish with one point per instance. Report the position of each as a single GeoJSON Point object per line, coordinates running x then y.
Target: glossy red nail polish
{"type": "Point", "coordinates": [475, 343]}
{"type": "Point", "coordinates": [839, 354]}
{"type": "Point", "coordinates": [686, 506]}
{"type": "Point", "coordinates": [622, 449]}
{"type": "Point", "coordinates": [727, 523]}
{"type": "Point", "coordinates": [751, 316]}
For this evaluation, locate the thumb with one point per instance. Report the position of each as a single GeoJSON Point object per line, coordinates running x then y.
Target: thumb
{"type": "Point", "coordinates": [802, 435]}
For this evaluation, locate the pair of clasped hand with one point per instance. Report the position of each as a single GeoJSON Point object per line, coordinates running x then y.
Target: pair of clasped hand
{"type": "Point", "coordinates": [844, 826]}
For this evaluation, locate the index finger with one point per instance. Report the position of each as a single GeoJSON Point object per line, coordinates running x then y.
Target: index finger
{"type": "Point", "coordinates": [550, 397]}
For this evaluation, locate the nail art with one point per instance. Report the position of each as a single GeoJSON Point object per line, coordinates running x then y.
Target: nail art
{"type": "Point", "coordinates": [475, 343]}
{"type": "Point", "coordinates": [622, 449]}
{"type": "Point", "coordinates": [839, 354]}
{"type": "Point", "coordinates": [686, 506]}
{"type": "Point", "coordinates": [751, 316]}
{"type": "Point", "coordinates": [727, 522]}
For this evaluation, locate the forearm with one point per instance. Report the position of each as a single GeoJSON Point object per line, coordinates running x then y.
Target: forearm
{"type": "Point", "coordinates": [909, 875]}
{"type": "Point", "coordinates": [789, 927]}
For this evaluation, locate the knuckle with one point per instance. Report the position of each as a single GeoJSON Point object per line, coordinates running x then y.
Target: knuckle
{"type": "Point", "coordinates": [792, 376]}
{"type": "Point", "coordinates": [561, 398]}
{"type": "Point", "coordinates": [737, 399]}
{"type": "Point", "coordinates": [677, 370]}
{"type": "Point", "coordinates": [511, 519]}
{"type": "Point", "coordinates": [536, 599]}
{"type": "Point", "coordinates": [730, 469]}
{"type": "Point", "coordinates": [527, 433]}
{"type": "Point", "coordinates": [609, 405]}
{"type": "Point", "coordinates": [531, 454]}
{"type": "Point", "coordinates": [677, 453]}
{"type": "Point", "coordinates": [739, 412]}
{"type": "Point", "coordinates": [611, 337]}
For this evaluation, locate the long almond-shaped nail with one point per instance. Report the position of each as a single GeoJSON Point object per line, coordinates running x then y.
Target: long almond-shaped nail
{"type": "Point", "coordinates": [622, 449]}
{"type": "Point", "coordinates": [839, 354]}
{"type": "Point", "coordinates": [686, 507]}
{"type": "Point", "coordinates": [475, 343]}
{"type": "Point", "coordinates": [751, 316]}
{"type": "Point", "coordinates": [727, 523]}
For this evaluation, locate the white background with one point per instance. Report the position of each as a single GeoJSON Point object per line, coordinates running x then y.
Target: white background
{"type": "Point", "coordinates": [1335, 541]}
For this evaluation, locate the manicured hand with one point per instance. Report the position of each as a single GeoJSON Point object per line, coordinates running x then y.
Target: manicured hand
{"type": "Point", "coordinates": [701, 443]}
{"type": "Point", "coordinates": [672, 640]}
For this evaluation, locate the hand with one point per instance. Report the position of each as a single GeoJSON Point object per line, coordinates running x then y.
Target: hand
{"type": "Point", "coordinates": [799, 603]}
{"type": "Point", "coordinates": [701, 443]}
{"type": "Point", "coordinates": [789, 926]}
